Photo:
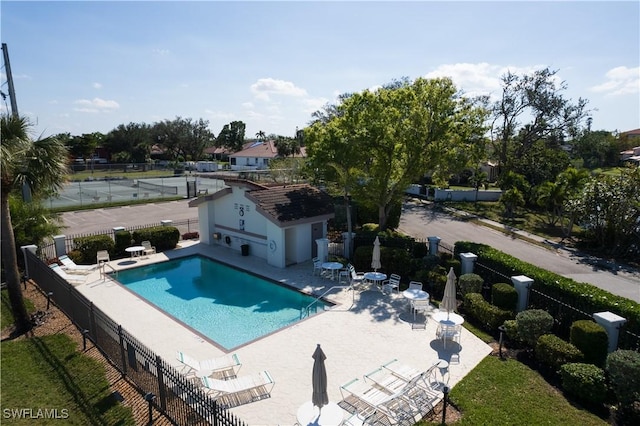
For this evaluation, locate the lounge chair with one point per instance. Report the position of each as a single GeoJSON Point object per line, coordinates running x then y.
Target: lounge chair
{"type": "Point", "coordinates": [356, 277]}
{"type": "Point", "coordinates": [148, 248]}
{"type": "Point", "coordinates": [241, 390]}
{"type": "Point", "coordinates": [72, 279]}
{"type": "Point", "coordinates": [70, 266]}
{"type": "Point", "coordinates": [225, 366]}
{"type": "Point", "coordinates": [367, 400]}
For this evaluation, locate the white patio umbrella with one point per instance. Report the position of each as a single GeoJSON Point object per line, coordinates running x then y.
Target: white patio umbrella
{"type": "Point", "coordinates": [449, 299]}
{"type": "Point", "coordinates": [375, 258]}
{"type": "Point", "coordinates": [319, 398]}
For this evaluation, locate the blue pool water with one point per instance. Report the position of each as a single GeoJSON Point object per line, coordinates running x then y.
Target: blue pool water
{"type": "Point", "coordinates": [227, 305]}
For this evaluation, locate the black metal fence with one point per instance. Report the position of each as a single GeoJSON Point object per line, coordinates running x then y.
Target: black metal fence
{"type": "Point", "coordinates": [564, 314]}
{"type": "Point", "coordinates": [178, 398]}
{"type": "Point", "coordinates": [48, 251]}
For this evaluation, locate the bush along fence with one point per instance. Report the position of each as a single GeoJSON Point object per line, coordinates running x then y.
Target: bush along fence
{"type": "Point", "coordinates": [565, 299]}
{"type": "Point", "coordinates": [159, 383]}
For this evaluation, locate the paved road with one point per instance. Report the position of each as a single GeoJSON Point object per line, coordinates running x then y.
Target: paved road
{"type": "Point", "coordinates": [418, 220]}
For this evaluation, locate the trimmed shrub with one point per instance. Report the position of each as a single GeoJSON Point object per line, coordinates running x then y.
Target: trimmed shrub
{"type": "Point", "coordinates": [437, 282]}
{"type": "Point", "coordinates": [470, 283]}
{"type": "Point", "coordinates": [122, 241]}
{"type": "Point", "coordinates": [586, 382]}
{"type": "Point", "coordinates": [554, 352]}
{"type": "Point", "coordinates": [484, 312]}
{"type": "Point", "coordinates": [532, 324]}
{"type": "Point", "coordinates": [191, 235]}
{"type": "Point", "coordinates": [504, 296]}
{"type": "Point", "coordinates": [89, 247]}
{"type": "Point", "coordinates": [591, 338]}
{"type": "Point", "coordinates": [623, 367]}
{"type": "Point", "coordinates": [511, 330]}
{"type": "Point", "coordinates": [161, 237]}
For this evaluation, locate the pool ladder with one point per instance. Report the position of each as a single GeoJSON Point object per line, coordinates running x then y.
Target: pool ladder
{"type": "Point", "coordinates": [304, 312]}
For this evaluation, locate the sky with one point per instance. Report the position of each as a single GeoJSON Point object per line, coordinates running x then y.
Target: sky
{"type": "Point", "coordinates": [89, 66]}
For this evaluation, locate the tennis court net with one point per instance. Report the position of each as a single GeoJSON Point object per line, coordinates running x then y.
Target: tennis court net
{"type": "Point", "coordinates": [164, 189]}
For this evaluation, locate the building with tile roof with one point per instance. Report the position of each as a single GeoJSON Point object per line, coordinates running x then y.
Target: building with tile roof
{"type": "Point", "coordinates": [278, 223]}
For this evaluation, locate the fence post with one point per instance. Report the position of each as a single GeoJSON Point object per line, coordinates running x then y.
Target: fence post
{"type": "Point", "coordinates": [522, 284]}
{"type": "Point", "coordinates": [611, 323]}
{"type": "Point", "coordinates": [60, 245]}
{"type": "Point", "coordinates": [123, 355]}
{"type": "Point", "coordinates": [161, 391]}
{"type": "Point", "coordinates": [433, 245]}
{"type": "Point", "coordinates": [468, 261]}
{"type": "Point", "coordinates": [347, 244]}
{"type": "Point", "coordinates": [32, 248]}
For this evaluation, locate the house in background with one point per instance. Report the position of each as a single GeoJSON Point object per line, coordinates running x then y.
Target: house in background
{"type": "Point", "coordinates": [277, 223]}
{"type": "Point", "coordinates": [257, 156]}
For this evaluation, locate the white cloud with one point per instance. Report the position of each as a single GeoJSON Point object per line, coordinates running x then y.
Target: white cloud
{"type": "Point", "coordinates": [219, 114]}
{"type": "Point", "coordinates": [96, 105]}
{"type": "Point", "coordinates": [97, 85]}
{"type": "Point", "coordinates": [314, 104]}
{"type": "Point", "coordinates": [620, 81]}
{"type": "Point", "coordinates": [269, 86]}
{"type": "Point", "coordinates": [248, 105]}
{"type": "Point", "coordinates": [481, 78]}
{"type": "Point", "coordinates": [161, 52]}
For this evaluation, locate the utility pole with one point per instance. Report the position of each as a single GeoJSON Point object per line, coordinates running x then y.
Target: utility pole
{"type": "Point", "coordinates": [12, 90]}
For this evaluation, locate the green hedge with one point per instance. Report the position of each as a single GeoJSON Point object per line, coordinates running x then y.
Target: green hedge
{"type": "Point", "coordinates": [591, 338]}
{"type": "Point", "coordinates": [582, 296]}
{"type": "Point", "coordinates": [161, 237]}
{"type": "Point", "coordinates": [587, 382]}
{"type": "Point", "coordinates": [470, 283]}
{"type": "Point", "coordinates": [532, 324]}
{"type": "Point", "coordinates": [491, 317]}
{"type": "Point", "coordinates": [88, 247]}
{"type": "Point", "coordinates": [554, 352]}
{"type": "Point", "coordinates": [623, 367]}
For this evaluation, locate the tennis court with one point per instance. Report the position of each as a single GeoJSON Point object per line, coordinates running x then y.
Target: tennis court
{"type": "Point", "coordinates": [118, 190]}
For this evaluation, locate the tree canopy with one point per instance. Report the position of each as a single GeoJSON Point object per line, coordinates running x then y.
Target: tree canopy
{"type": "Point", "coordinates": [381, 141]}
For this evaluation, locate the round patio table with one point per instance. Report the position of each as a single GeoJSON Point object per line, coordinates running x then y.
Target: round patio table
{"type": "Point", "coordinates": [333, 267]}
{"type": "Point", "coordinates": [376, 278]}
{"type": "Point", "coordinates": [452, 318]}
{"type": "Point", "coordinates": [330, 415]}
{"type": "Point", "coordinates": [134, 250]}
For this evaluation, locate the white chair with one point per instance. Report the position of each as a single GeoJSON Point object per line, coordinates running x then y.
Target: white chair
{"type": "Point", "coordinates": [420, 305]}
{"type": "Point", "coordinates": [232, 392]}
{"type": "Point", "coordinates": [356, 277]}
{"type": "Point", "coordinates": [446, 332]}
{"type": "Point", "coordinates": [72, 279]}
{"type": "Point", "coordinates": [148, 248]}
{"type": "Point", "coordinates": [102, 256]}
{"type": "Point", "coordinates": [393, 283]}
{"type": "Point", "coordinates": [226, 366]}
{"type": "Point", "coordinates": [317, 266]}
{"type": "Point", "coordinates": [70, 266]}
{"type": "Point", "coordinates": [417, 285]}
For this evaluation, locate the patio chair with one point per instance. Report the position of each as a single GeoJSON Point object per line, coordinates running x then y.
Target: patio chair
{"type": "Point", "coordinates": [317, 266]}
{"type": "Point", "coordinates": [420, 305]}
{"type": "Point", "coordinates": [70, 266]}
{"type": "Point", "coordinates": [415, 285]}
{"type": "Point", "coordinates": [241, 390]}
{"type": "Point", "coordinates": [225, 367]}
{"type": "Point", "coordinates": [72, 279]}
{"type": "Point", "coordinates": [446, 332]}
{"type": "Point", "coordinates": [148, 248]}
{"type": "Point", "coordinates": [393, 283]}
{"type": "Point", "coordinates": [102, 256]}
{"type": "Point", "coordinates": [356, 277]}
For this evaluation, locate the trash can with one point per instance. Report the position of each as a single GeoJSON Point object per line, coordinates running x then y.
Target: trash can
{"type": "Point", "coordinates": [244, 248]}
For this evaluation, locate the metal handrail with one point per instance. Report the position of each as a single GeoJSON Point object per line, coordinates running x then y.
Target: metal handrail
{"type": "Point", "coordinates": [306, 309]}
{"type": "Point", "coordinates": [103, 274]}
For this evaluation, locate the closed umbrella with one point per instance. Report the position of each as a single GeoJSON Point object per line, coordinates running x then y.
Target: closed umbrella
{"type": "Point", "coordinates": [319, 398]}
{"type": "Point", "coordinates": [449, 300]}
{"type": "Point", "coordinates": [375, 258]}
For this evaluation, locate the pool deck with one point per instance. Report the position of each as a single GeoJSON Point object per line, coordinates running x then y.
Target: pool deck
{"type": "Point", "coordinates": [363, 331]}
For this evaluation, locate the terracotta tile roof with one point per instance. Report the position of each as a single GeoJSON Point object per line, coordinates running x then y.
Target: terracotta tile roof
{"type": "Point", "coordinates": [259, 150]}
{"type": "Point", "coordinates": [290, 203]}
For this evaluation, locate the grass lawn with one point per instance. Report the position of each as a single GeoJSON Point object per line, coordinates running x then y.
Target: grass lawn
{"type": "Point", "coordinates": [510, 393]}
{"type": "Point", "coordinates": [49, 373]}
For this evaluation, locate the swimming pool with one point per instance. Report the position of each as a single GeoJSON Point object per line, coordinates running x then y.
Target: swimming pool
{"type": "Point", "coordinates": [229, 306]}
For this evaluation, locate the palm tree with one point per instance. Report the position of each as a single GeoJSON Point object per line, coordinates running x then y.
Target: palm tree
{"type": "Point", "coordinates": [41, 164]}
{"type": "Point", "coordinates": [261, 135]}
